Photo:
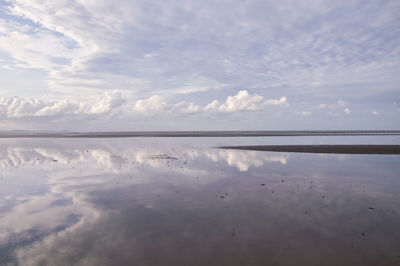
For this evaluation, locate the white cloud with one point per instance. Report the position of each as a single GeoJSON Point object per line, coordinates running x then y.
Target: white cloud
{"type": "Point", "coordinates": [282, 102]}
{"type": "Point", "coordinates": [212, 106]}
{"type": "Point", "coordinates": [242, 101]}
{"type": "Point", "coordinates": [16, 107]}
{"type": "Point", "coordinates": [153, 103]}
{"type": "Point", "coordinates": [347, 110]}
{"type": "Point", "coordinates": [374, 112]}
{"type": "Point", "coordinates": [110, 103]}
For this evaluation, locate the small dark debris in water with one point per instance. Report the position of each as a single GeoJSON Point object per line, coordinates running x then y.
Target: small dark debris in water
{"type": "Point", "coordinates": [283, 180]}
{"type": "Point", "coordinates": [55, 160]}
{"type": "Point", "coordinates": [363, 234]}
{"type": "Point", "coordinates": [38, 159]}
{"type": "Point", "coordinates": [262, 184]}
{"type": "Point", "coordinates": [371, 208]}
{"type": "Point", "coordinates": [233, 231]}
{"type": "Point", "coordinates": [226, 194]}
{"type": "Point", "coordinates": [161, 157]}
{"type": "Point", "coordinates": [272, 191]}
{"type": "Point", "coordinates": [87, 150]}
{"type": "Point", "coordinates": [222, 197]}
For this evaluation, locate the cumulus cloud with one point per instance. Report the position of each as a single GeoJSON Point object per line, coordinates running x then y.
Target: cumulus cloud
{"type": "Point", "coordinates": [242, 101]}
{"type": "Point", "coordinates": [153, 103]}
{"type": "Point", "coordinates": [212, 106]}
{"type": "Point", "coordinates": [17, 107]}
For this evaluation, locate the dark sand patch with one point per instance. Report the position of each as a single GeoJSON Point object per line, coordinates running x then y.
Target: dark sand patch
{"type": "Point", "coordinates": [342, 149]}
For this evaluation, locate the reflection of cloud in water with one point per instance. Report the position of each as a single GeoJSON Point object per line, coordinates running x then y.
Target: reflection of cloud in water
{"type": "Point", "coordinates": [71, 175]}
{"type": "Point", "coordinates": [42, 218]}
{"type": "Point", "coordinates": [291, 226]}
{"type": "Point", "coordinates": [245, 159]}
{"type": "Point", "coordinates": [116, 157]}
{"type": "Point", "coordinates": [19, 157]}
{"type": "Point", "coordinates": [153, 209]}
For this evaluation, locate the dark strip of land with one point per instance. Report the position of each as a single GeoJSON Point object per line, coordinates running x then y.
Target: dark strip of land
{"type": "Point", "coordinates": [341, 149]}
{"type": "Point", "coordinates": [271, 133]}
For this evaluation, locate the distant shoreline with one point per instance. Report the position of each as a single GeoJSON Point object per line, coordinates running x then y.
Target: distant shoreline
{"type": "Point", "coordinates": [341, 149]}
{"type": "Point", "coordinates": [130, 134]}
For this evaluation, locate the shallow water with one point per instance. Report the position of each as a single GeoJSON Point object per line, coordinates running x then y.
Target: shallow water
{"type": "Point", "coordinates": [173, 201]}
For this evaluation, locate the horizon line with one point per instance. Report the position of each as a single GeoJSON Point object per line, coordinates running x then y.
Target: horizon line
{"type": "Point", "coordinates": [192, 133]}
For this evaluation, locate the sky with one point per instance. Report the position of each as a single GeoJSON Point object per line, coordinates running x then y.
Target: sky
{"type": "Point", "coordinates": [95, 65]}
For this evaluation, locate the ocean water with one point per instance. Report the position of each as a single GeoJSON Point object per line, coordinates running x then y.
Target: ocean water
{"type": "Point", "coordinates": [182, 201]}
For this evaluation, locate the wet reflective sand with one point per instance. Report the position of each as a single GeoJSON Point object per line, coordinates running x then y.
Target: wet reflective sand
{"type": "Point", "coordinates": [169, 201]}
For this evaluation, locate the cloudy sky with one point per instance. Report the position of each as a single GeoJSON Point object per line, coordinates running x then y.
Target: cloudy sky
{"type": "Point", "coordinates": [188, 65]}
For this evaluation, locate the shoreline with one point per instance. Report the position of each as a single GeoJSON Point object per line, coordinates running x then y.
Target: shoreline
{"type": "Point", "coordinates": [333, 149]}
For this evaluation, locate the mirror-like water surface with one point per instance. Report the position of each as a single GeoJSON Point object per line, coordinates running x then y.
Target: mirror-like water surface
{"type": "Point", "coordinates": [168, 201]}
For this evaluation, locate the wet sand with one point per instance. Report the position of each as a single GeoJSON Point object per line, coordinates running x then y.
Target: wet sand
{"type": "Point", "coordinates": [270, 133]}
{"type": "Point", "coordinates": [342, 149]}
{"type": "Point", "coordinates": [166, 201]}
